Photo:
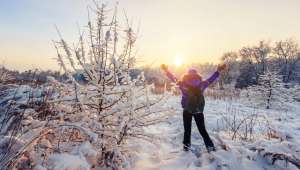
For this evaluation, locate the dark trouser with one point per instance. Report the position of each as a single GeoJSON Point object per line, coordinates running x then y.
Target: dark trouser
{"type": "Point", "coordinates": [187, 123]}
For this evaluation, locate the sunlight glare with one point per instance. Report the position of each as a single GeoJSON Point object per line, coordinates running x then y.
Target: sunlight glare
{"type": "Point", "coordinates": [178, 61]}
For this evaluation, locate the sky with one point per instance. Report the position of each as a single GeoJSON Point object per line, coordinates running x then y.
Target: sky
{"type": "Point", "coordinates": [196, 31]}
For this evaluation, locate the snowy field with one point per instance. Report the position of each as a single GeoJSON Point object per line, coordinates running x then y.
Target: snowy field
{"type": "Point", "coordinates": [239, 154]}
{"type": "Point", "coordinates": [246, 137]}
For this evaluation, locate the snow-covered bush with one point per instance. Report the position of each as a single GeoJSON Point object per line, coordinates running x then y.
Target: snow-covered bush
{"type": "Point", "coordinates": [246, 125]}
{"type": "Point", "coordinates": [111, 106]}
{"type": "Point", "coordinates": [270, 91]}
{"type": "Point", "coordinates": [24, 113]}
{"type": "Point", "coordinates": [51, 125]}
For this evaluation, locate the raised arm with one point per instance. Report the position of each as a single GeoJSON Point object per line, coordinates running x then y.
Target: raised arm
{"type": "Point", "coordinates": [168, 73]}
{"type": "Point", "coordinates": [214, 76]}
{"type": "Point", "coordinates": [211, 79]}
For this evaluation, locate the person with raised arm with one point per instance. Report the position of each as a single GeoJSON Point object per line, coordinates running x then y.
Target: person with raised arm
{"type": "Point", "coordinates": [192, 88]}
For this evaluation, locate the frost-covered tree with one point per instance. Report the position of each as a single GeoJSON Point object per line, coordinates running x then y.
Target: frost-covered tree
{"type": "Point", "coordinates": [269, 91]}
{"type": "Point", "coordinates": [89, 123]}
{"type": "Point", "coordinates": [115, 106]}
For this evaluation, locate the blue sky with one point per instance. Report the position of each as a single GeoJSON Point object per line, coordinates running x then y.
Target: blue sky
{"type": "Point", "coordinates": [197, 30]}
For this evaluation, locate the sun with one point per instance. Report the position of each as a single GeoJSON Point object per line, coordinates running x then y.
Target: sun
{"type": "Point", "coordinates": [178, 61]}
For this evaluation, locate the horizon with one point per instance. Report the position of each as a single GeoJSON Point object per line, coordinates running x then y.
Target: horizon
{"type": "Point", "coordinates": [198, 31]}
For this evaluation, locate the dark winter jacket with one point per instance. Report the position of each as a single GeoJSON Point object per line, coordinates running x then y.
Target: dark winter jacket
{"type": "Point", "coordinates": [194, 80]}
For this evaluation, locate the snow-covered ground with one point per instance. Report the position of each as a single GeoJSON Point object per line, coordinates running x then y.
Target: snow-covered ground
{"type": "Point", "coordinates": [246, 137]}
{"type": "Point", "coordinates": [241, 154]}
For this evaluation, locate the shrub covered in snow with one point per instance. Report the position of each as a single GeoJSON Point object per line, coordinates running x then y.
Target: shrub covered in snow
{"type": "Point", "coordinates": [79, 126]}
{"type": "Point", "coordinates": [269, 92]}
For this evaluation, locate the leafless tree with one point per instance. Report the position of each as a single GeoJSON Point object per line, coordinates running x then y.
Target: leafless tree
{"type": "Point", "coordinates": [288, 54]}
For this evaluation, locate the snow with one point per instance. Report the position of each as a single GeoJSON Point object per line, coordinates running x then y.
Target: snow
{"type": "Point", "coordinates": [274, 131]}
{"type": "Point", "coordinates": [167, 153]}
{"type": "Point", "coordinates": [86, 150]}
{"type": "Point", "coordinates": [67, 162]}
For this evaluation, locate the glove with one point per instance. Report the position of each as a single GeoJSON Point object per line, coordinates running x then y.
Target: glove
{"type": "Point", "coordinates": [221, 67]}
{"type": "Point", "coordinates": [164, 67]}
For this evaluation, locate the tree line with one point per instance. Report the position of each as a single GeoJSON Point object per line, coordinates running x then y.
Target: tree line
{"type": "Point", "coordinates": [246, 65]}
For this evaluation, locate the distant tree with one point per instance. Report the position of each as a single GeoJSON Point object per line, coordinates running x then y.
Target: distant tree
{"type": "Point", "coordinates": [257, 57]}
{"type": "Point", "coordinates": [232, 72]}
{"type": "Point", "coordinates": [5, 75]}
{"type": "Point", "coordinates": [261, 54]}
{"type": "Point", "coordinates": [248, 73]}
{"type": "Point", "coordinates": [254, 62]}
{"type": "Point", "coordinates": [288, 55]}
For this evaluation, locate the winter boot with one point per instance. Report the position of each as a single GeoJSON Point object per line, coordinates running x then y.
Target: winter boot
{"type": "Point", "coordinates": [210, 149]}
{"type": "Point", "coordinates": [186, 147]}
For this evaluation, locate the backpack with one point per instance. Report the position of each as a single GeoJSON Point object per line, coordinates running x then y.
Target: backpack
{"type": "Point", "coordinates": [195, 100]}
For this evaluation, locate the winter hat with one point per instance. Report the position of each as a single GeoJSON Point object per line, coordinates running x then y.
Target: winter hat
{"type": "Point", "coordinates": [192, 71]}
{"type": "Point", "coordinates": [192, 77]}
